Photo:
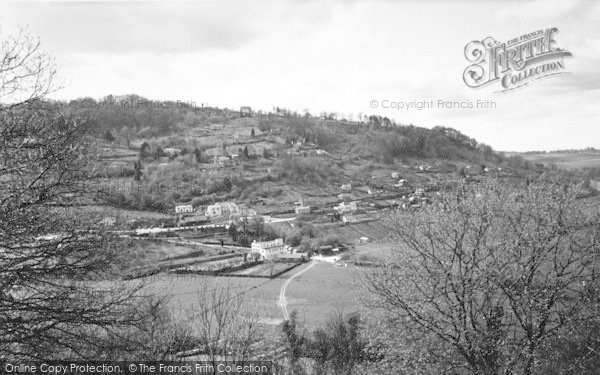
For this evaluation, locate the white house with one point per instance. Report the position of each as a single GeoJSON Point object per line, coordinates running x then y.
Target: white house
{"type": "Point", "coordinates": [347, 219]}
{"type": "Point", "coordinates": [301, 210]}
{"type": "Point", "coordinates": [400, 183]}
{"type": "Point", "coordinates": [247, 211]}
{"type": "Point", "coordinates": [395, 175]}
{"type": "Point", "coordinates": [346, 207]}
{"type": "Point", "coordinates": [184, 208]}
{"type": "Point", "coordinates": [269, 249]}
{"type": "Point", "coordinates": [172, 151]}
{"type": "Point", "coordinates": [346, 187]}
{"type": "Point", "coordinates": [108, 221]}
{"type": "Point", "coordinates": [222, 209]}
{"type": "Point", "coordinates": [245, 112]}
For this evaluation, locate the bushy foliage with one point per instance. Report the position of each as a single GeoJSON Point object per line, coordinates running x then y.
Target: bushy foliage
{"type": "Point", "coordinates": [336, 348]}
{"type": "Point", "coordinates": [498, 276]}
{"type": "Point", "coordinates": [306, 169]}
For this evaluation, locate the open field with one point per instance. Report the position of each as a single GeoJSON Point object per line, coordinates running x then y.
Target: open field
{"type": "Point", "coordinates": [324, 290]}
{"type": "Point", "coordinates": [567, 160]}
{"type": "Point", "coordinates": [370, 252]}
{"type": "Point", "coordinates": [316, 294]}
{"type": "Point", "coordinates": [184, 293]}
{"type": "Point", "coordinates": [374, 231]}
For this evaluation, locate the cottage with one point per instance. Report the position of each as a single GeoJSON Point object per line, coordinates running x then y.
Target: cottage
{"type": "Point", "coordinates": [108, 221]}
{"type": "Point", "coordinates": [269, 249]}
{"type": "Point", "coordinates": [395, 175]}
{"type": "Point", "coordinates": [247, 211]}
{"type": "Point", "coordinates": [346, 187]}
{"type": "Point", "coordinates": [217, 126]}
{"type": "Point", "coordinates": [220, 160]}
{"type": "Point", "coordinates": [245, 112]}
{"type": "Point", "coordinates": [172, 151]}
{"type": "Point", "coordinates": [302, 210]}
{"type": "Point", "coordinates": [325, 249]}
{"type": "Point", "coordinates": [184, 208]}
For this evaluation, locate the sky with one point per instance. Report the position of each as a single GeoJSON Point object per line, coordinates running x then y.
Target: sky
{"type": "Point", "coordinates": [350, 57]}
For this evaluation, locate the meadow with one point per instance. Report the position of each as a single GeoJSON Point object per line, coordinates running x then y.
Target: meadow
{"type": "Point", "coordinates": [567, 160]}
{"type": "Point", "coordinates": [316, 294]}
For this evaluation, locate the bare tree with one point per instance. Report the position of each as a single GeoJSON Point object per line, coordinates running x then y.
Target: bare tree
{"type": "Point", "coordinates": [59, 290]}
{"type": "Point", "coordinates": [226, 325]}
{"type": "Point", "coordinates": [494, 273]}
{"type": "Point", "coordinates": [27, 73]}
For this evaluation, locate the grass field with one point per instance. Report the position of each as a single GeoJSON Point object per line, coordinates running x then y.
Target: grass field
{"type": "Point", "coordinates": [184, 293]}
{"type": "Point", "coordinates": [374, 231]}
{"type": "Point", "coordinates": [316, 294]}
{"type": "Point", "coordinates": [567, 160]}
{"type": "Point", "coordinates": [370, 252]}
{"type": "Point", "coordinates": [324, 290]}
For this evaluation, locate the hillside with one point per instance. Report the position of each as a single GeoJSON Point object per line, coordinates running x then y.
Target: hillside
{"type": "Point", "coordinates": [154, 155]}
{"type": "Point", "coordinates": [132, 117]}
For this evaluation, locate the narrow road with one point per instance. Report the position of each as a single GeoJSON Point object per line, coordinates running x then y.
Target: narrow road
{"type": "Point", "coordinates": [282, 300]}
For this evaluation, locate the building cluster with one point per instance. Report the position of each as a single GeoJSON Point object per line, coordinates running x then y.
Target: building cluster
{"type": "Point", "coordinates": [222, 209]}
{"type": "Point", "coordinates": [227, 209]}
{"type": "Point", "coordinates": [219, 209]}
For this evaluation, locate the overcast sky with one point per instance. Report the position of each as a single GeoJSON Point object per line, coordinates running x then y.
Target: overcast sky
{"type": "Point", "coordinates": [328, 56]}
